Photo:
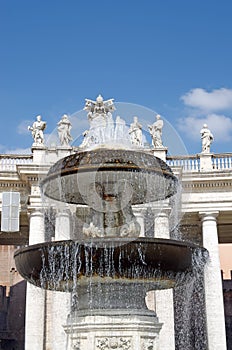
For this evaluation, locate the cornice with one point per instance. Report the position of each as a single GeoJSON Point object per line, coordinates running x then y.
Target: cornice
{"type": "Point", "coordinates": [212, 184]}
{"type": "Point", "coordinates": [12, 184]}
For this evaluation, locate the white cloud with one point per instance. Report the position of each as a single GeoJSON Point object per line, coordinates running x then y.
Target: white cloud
{"type": "Point", "coordinates": [216, 100]}
{"type": "Point", "coordinates": [220, 126]}
{"type": "Point", "coordinates": [22, 128]}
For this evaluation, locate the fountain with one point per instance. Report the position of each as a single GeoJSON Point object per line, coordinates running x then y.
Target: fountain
{"type": "Point", "coordinates": [108, 265]}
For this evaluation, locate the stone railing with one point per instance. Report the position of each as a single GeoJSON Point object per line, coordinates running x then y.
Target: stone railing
{"type": "Point", "coordinates": [192, 163]}
{"type": "Point", "coordinates": [187, 163]}
{"type": "Point", "coordinates": [222, 161]}
{"type": "Point", "coordinates": [8, 162]}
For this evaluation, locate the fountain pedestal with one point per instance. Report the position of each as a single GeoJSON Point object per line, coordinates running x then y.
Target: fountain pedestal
{"type": "Point", "coordinates": [113, 329]}
{"type": "Point", "coordinates": [112, 316]}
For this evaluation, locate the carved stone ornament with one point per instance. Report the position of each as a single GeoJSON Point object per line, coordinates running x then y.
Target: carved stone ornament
{"type": "Point", "coordinates": [77, 344]}
{"type": "Point", "coordinates": [148, 344]}
{"type": "Point", "coordinates": [117, 343]}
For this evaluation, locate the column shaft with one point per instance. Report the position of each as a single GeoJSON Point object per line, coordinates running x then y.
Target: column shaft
{"type": "Point", "coordinates": [164, 298]}
{"type": "Point", "coordinates": [213, 285]}
{"type": "Point", "coordinates": [59, 301]}
{"type": "Point", "coordinates": [35, 300]}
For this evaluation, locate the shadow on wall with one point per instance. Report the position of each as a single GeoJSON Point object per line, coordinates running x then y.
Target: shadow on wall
{"type": "Point", "coordinates": [12, 317]}
{"type": "Point", "coordinates": [227, 292]}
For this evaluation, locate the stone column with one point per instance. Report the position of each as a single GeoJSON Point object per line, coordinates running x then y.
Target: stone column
{"type": "Point", "coordinates": [213, 284]}
{"type": "Point", "coordinates": [35, 300]}
{"type": "Point", "coordinates": [164, 298]}
{"type": "Point", "coordinates": [59, 301]}
{"type": "Point", "coordinates": [139, 214]}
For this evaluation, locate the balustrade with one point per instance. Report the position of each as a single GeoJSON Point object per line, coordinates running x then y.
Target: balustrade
{"type": "Point", "coordinates": [9, 162]}
{"type": "Point", "coordinates": [191, 163]}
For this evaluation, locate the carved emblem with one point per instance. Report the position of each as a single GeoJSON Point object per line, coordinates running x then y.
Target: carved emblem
{"type": "Point", "coordinates": [117, 343]}
{"type": "Point", "coordinates": [77, 344]}
{"type": "Point", "coordinates": [148, 344]}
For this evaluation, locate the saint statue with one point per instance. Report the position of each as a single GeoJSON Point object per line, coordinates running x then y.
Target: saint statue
{"type": "Point", "coordinates": [64, 127]}
{"type": "Point", "coordinates": [156, 132]}
{"type": "Point", "coordinates": [206, 139]}
{"type": "Point", "coordinates": [37, 129]}
{"type": "Point", "coordinates": [135, 132]}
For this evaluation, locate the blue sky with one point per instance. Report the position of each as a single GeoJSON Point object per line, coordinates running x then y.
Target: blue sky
{"type": "Point", "coordinates": [171, 56]}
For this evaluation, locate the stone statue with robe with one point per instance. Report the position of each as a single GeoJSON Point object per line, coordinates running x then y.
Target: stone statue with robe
{"type": "Point", "coordinates": [206, 139]}
{"type": "Point", "coordinates": [135, 132]}
{"type": "Point", "coordinates": [64, 127]}
{"type": "Point", "coordinates": [156, 132]}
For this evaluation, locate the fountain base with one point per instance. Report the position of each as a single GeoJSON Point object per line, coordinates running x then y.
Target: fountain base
{"type": "Point", "coordinates": [113, 329]}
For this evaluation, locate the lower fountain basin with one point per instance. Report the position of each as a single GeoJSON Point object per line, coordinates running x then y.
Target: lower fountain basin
{"type": "Point", "coordinates": [65, 265]}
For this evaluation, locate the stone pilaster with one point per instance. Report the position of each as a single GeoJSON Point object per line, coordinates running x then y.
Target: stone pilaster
{"type": "Point", "coordinates": [35, 300]}
{"type": "Point", "coordinates": [39, 153]}
{"type": "Point", "coordinates": [161, 153]}
{"type": "Point", "coordinates": [206, 162]}
{"type": "Point", "coordinates": [213, 284]}
{"type": "Point", "coordinates": [64, 151]}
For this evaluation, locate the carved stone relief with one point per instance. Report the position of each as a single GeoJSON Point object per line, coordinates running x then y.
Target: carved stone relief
{"type": "Point", "coordinates": [117, 343]}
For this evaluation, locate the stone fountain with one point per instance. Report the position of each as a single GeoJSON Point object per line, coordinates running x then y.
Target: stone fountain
{"type": "Point", "coordinates": [108, 265]}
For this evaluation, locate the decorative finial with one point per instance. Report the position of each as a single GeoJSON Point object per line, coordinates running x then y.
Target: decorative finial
{"type": "Point", "coordinates": [99, 99]}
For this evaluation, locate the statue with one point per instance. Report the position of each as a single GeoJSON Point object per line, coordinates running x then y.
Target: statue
{"type": "Point", "coordinates": [37, 129]}
{"type": "Point", "coordinates": [206, 138]}
{"type": "Point", "coordinates": [156, 132]}
{"type": "Point", "coordinates": [64, 127]}
{"type": "Point", "coordinates": [100, 120]}
{"type": "Point", "coordinates": [135, 132]}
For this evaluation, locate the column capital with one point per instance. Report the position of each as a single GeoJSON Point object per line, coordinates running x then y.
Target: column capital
{"type": "Point", "coordinates": [162, 212]}
{"type": "Point", "coordinates": [35, 212]}
{"type": "Point", "coordinates": [140, 210]}
{"type": "Point", "coordinates": [209, 215]}
{"type": "Point", "coordinates": [62, 212]}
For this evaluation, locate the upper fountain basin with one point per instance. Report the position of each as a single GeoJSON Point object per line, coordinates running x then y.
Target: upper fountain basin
{"type": "Point", "coordinates": [103, 175]}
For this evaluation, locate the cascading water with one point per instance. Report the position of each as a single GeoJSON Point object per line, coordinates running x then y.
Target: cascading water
{"type": "Point", "coordinates": [107, 266]}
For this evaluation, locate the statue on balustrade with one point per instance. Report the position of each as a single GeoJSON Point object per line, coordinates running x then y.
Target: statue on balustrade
{"type": "Point", "coordinates": [64, 127]}
{"type": "Point", "coordinates": [156, 132]}
{"type": "Point", "coordinates": [37, 130]}
{"type": "Point", "coordinates": [135, 132]}
{"type": "Point", "coordinates": [206, 139]}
